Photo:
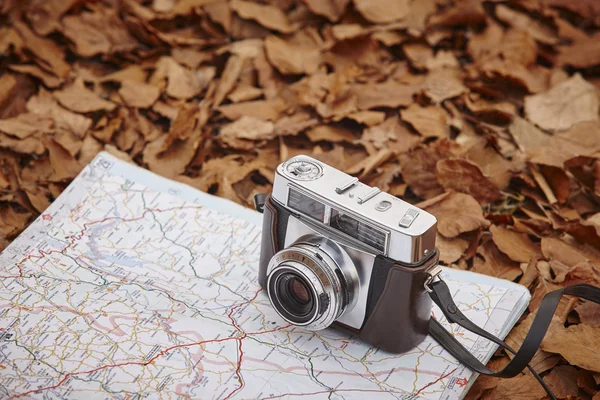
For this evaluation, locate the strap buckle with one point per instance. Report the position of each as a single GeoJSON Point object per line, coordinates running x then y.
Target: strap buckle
{"type": "Point", "coordinates": [431, 275]}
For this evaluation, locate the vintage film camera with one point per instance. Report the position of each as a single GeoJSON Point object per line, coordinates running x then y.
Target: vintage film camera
{"type": "Point", "coordinates": [336, 251]}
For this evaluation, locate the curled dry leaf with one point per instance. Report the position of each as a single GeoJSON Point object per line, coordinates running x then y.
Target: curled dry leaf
{"type": "Point", "coordinates": [249, 128]}
{"type": "Point", "coordinates": [330, 133]}
{"type": "Point", "coordinates": [456, 213]}
{"type": "Point", "coordinates": [50, 80]}
{"type": "Point", "coordinates": [464, 176]}
{"type": "Point", "coordinates": [563, 106]}
{"type": "Point", "coordinates": [98, 32]}
{"type": "Point", "coordinates": [181, 82]}
{"type": "Point", "coordinates": [139, 94]}
{"type": "Point", "coordinates": [233, 69]}
{"type": "Point", "coordinates": [562, 380]}
{"type": "Point", "coordinates": [391, 134]}
{"type": "Point", "coordinates": [515, 245]}
{"type": "Point", "coordinates": [269, 16]}
{"type": "Point", "coordinates": [366, 165]}
{"type": "Point", "coordinates": [451, 249]}
{"type": "Point", "coordinates": [78, 98]}
{"type": "Point", "coordinates": [291, 59]}
{"type": "Point", "coordinates": [574, 344]}
{"type": "Point", "coordinates": [535, 28]}
{"type": "Point", "coordinates": [428, 121]}
{"type": "Point", "coordinates": [495, 263]}
{"type": "Point", "coordinates": [387, 94]}
{"type": "Point", "coordinates": [331, 9]}
{"type": "Point", "coordinates": [49, 55]}
{"type": "Point", "coordinates": [44, 104]}
{"type": "Point", "coordinates": [382, 11]}
{"type": "Point", "coordinates": [583, 53]}
{"type": "Point", "coordinates": [589, 313]}
{"type": "Point", "coordinates": [269, 110]}
{"type": "Point", "coordinates": [524, 387]}
{"type": "Point", "coordinates": [26, 125]}
{"type": "Point", "coordinates": [419, 167]}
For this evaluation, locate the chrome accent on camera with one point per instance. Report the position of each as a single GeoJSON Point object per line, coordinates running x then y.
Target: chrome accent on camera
{"type": "Point", "coordinates": [360, 267]}
{"type": "Point", "coordinates": [328, 270]}
{"type": "Point", "coordinates": [406, 239]}
{"type": "Point", "coordinates": [431, 275]}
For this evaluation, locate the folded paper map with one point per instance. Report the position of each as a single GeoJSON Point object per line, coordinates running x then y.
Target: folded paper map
{"type": "Point", "coordinates": [131, 286]}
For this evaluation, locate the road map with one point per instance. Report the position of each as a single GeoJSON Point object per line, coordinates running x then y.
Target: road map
{"type": "Point", "coordinates": [128, 288]}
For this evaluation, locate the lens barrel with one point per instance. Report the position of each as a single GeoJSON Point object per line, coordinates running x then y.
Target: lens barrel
{"type": "Point", "coordinates": [312, 282]}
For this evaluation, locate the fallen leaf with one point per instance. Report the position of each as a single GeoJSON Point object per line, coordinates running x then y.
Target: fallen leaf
{"type": "Point", "coordinates": [50, 80]}
{"type": "Point", "coordinates": [535, 28]}
{"type": "Point", "coordinates": [51, 57]}
{"type": "Point", "coordinates": [291, 59]}
{"type": "Point", "coordinates": [443, 84]}
{"type": "Point", "coordinates": [45, 105]}
{"type": "Point", "coordinates": [26, 125]}
{"type": "Point", "coordinates": [269, 110]}
{"type": "Point", "coordinates": [574, 344]}
{"type": "Point", "coordinates": [369, 118]}
{"type": "Point", "coordinates": [331, 9]}
{"type": "Point", "coordinates": [98, 32]}
{"type": "Point", "coordinates": [230, 75]}
{"type": "Point", "coordinates": [495, 263]}
{"type": "Point", "coordinates": [451, 249]}
{"type": "Point", "coordinates": [568, 254]}
{"type": "Point", "coordinates": [468, 12]}
{"type": "Point", "coordinates": [249, 128]}
{"type": "Point", "coordinates": [527, 136]}
{"type": "Point", "coordinates": [78, 98]}
{"type": "Point", "coordinates": [515, 245]}
{"type": "Point", "coordinates": [269, 16]}
{"type": "Point", "coordinates": [243, 92]}
{"type": "Point", "coordinates": [428, 121]}
{"type": "Point", "coordinates": [387, 94]}
{"type": "Point", "coordinates": [382, 11]}
{"type": "Point", "coordinates": [45, 15]}
{"type": "Point", "coordinates": [585, 380]}
{"type": "Point", "coordinates": [64, 165]}
{"type": "Point", "coordinates": [330, 133]}
{"type": "Point", "coordinates": [181, 82]}
{"type": "Point", "coordinates": [391, 134]}
{"type": "Point", "coordinates": [185, 124]}
{"type": "Point", "coordinates": [524, 387]}
{"type": "Point", "coordinates": [589, 313]}
{"type": "Point", "coordinates": [138, 94]}
{"type": "Point", "coordinates": [563, 106]}
{"type": "Point", "coordinates": [172, 162]}
{"type": "Point", "coordinates": [419, 167]}
{"type": "Point", "coordinates": [464, 176]}
{"type": "Point", "coordinates": [583, 53]}
{"type": "Point", "coordinates": [370, 163]}
{"type": "Point", "coordinates": [456, 213]}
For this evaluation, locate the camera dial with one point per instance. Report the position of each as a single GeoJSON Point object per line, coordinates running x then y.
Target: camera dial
{"type": "Point", "coordinates": [312, 283]}
{"type": "Point", "coordinates": [302, 170]}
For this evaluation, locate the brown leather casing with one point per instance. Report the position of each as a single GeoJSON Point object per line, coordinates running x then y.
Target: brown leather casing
{"type": "Point", "coordinates": [398, 307]}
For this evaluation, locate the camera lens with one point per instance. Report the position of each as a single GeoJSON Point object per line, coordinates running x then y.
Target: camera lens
{"type": "Point", "coordinates": [310, 283]}
{"type": "Point", "coordinates": [292, 296]}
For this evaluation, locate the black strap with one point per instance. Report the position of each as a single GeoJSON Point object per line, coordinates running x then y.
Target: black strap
{"type": "Point", "coordinates": [442, 297]}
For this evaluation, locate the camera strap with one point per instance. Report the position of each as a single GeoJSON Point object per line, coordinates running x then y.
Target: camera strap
{"type": "Point", "coordinates": [439, 292]}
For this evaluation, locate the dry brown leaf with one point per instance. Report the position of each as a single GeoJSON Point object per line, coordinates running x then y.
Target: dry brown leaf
{"type": "Point", "coordinates": [64, 165]}
{"type": "Point", "coordinates": [331, 133]}
{"type": "Point", "coordinates": [589, 313]}
{"type": "Point", "coordinates": [456, 213]}
{"type": "Point", "coordinates": [464, 176]}
{"type": "Point", "coordinates": [185, 124]}
{"type": "Point", "coordinates": [524, 387]}
{"type": "Point", "coordinates": [78, 98]}
{"type": "Point", "coordinates": [387, 94]}
{"type": "Point", "coordinates": [291, 59]}
{"type": "Point", "coordinates": [443, 84]}
{"type": "Point", "coordinates": [242, 92]}
{"type": "Point", "coordinates": [50, 56]}
{"type": "Point", "coordinates": [565, 105]}
{"type": "Point", "coordinates": [294, 124]}
{"type": "Point", "coordinates": [382, 11]}
{"type": "Point", "coordinates": [172, 162]}
{"type": "Point", "coordinates": [249, 128]}
{"type": "Point", "coordinates": [574, 344]}
{"type": "Point", "coordinates": [269, 16]}
{"type": "Point", "coordinates": [26, 125]}
{"type": "Point", "coordinates": [99, 32]}
{"type": "Point", "coordinates": [392, 134]}
{"type": "Point", "coordinates": [369, 118]}
{"type": "Point", "coordinates": [496, 263]}
{"type": "Point", "coordinates": [527, 136]}
{"type": "Point", "coordinates": [583, 53]}
{"type": "Point", "coordinates": [229, 77]}
{"type": "Point", "coordinates": [269, 110]}
{"type": "Point", "coordinates": [368, 164]}
{"type": "Point", "coordinates": [331, 9]}
{"type": "Point", "coordinates": [44, 104]}
{"type": "Point", "coordinates": [181, 82]}
{"type": "Point", "coordinates": [50, 80]}
{"type": "Point", "coordinates": [515, 245]}
{"type": "Point", "coordinates": [45, 14]}
{"type": "Point", "coordinates": [518, 20]}
{"type": "Point", "coordinates": [419, 167]}
{"type": "Point", "coordinates": [138, 94]}
{"type": "Point", "coordinates": [467, 12]}
{"type": "Point", "coordinates": [450, 249]}
{"type": "Point", "coordinates": [428, 121]}
{"type": "Point", "coordinates": [30, 145]}
{"type": "Point", "coordinates": [568, 254]}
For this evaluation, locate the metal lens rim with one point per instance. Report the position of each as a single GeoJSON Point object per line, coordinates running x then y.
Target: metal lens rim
{"type": "Point", "coordinates": [318, 269]}
{"type": "Point", "coordinates": [278, 299]}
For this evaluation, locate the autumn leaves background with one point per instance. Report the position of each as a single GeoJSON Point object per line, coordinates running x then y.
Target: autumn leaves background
{"type": "Point", "coordinates": [484, 113]}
